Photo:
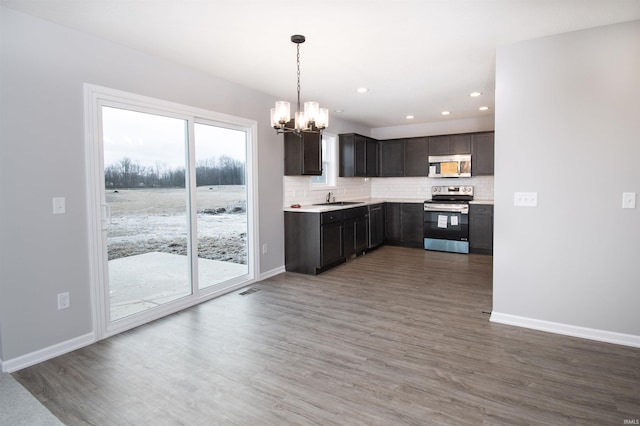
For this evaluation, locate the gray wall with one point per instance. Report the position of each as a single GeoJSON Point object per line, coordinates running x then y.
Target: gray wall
{"type": "Point", "coordinates": [444, 127]}
{"type": "Point", "coordinates": [43, 68]}
{"type": "Point", "coordinates": [568, 128]}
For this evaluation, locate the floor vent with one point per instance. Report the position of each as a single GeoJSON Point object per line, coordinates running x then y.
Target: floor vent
{"type": "Point", "coordinates": [250, 291]}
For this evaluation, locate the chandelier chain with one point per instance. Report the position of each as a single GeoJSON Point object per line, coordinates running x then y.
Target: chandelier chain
{"type": "Point", "coordinates": [298, 63]}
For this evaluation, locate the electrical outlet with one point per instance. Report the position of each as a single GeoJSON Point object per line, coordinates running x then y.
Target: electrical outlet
{"type": "Point", "coordinates": [628, 200]}
{"type": "Point", "coordinates": [525, 199]}
{"type": "Point", "coordinates": [264, 248]}
{"type": "Point", "coordinates": [63, 300]}
{"type": "Point", "coordinates": [59, 205]}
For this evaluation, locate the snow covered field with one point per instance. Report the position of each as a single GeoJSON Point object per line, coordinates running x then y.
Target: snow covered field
{"type": "Point", "coordinates": [154, 220]}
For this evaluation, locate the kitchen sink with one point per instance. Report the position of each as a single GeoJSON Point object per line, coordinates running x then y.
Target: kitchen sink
{"type": "Point", "coordinates": [339, 203]}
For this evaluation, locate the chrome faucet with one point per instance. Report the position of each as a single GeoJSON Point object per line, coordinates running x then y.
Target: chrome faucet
{"type": "Point", "coordinates": [329, 197]}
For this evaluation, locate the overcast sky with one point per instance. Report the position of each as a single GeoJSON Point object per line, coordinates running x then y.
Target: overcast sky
{"type": "Point", "coordinates": [156, 140]}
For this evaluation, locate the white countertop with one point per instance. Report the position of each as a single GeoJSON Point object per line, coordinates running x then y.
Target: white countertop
{"type": "Point", "coordinates": [315, 208]}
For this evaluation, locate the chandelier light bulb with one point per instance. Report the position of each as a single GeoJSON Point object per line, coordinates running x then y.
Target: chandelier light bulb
{"type": "Point", "coordinates": [300, 123]}
{"type": "Point", "coordinates": [282, 113]}
{"type": "Point", "coordinates": [311, 111]}
{"type": "Point", "coordinates": [323, 118]}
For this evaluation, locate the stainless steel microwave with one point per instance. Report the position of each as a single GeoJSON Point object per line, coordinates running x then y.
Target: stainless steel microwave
{"type": "Point", "coordinates": [448, 166]}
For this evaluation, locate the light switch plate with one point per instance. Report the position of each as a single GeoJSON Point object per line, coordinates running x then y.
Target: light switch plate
{"type": "Point", "coordinates": [525, 199]}
{"type": "Point", "coordinates": [59, 205]}
{"type": "Point", "coordinates": [628, 200]}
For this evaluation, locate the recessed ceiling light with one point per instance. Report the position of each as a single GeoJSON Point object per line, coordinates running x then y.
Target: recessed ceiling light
{"type": "Point", "coordinates": [483, 108]}
{"type": "Point", "coordinates": [410, 117]}
{"type": "Point", "coordinates": [362, 90]}
{"type": "Point", "coordinates": [474, 94]}
{"type": "Point", "coordinates": [339, 111]}
{"type": "Point", "coordinates": [445, 113]}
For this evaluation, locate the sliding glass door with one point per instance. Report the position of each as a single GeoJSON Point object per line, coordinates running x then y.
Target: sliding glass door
{"type": "Point", "coordinates": [175, 214]}
{"type": "Point", "coordinates": [221, 203]}
{"type": "Point", "coordinates": [146, 196]}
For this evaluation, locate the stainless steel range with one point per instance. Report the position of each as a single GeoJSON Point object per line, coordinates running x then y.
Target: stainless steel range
{"type": "Point", "coordinates": [446, 219]}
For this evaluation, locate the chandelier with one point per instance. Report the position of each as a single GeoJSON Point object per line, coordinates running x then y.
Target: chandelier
{"type": "Point", "coordinates": [312, 120]}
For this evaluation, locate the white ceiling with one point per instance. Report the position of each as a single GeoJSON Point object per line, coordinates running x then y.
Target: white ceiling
{"type": "Point", "coordinates": [417, 57]}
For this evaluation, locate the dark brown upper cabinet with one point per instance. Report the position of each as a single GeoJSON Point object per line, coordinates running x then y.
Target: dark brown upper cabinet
{"type": "Point", "coordinates": [450, 144]}
{"type": "Point", "coordinates": [416, 155]}
{"type": "Point", "coordinates": [358, 156]}
{"type": "Point", "coordinates": [392, 157]}
{"type": "Point", "coordinates": [302, 154]}
{"type": "Point", "coordinates": [364, 156]}
{"type": "Point", "coordinates": [482, 153]}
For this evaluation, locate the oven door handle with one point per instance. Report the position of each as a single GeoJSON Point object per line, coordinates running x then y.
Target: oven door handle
{"type": "Point", "coordinates": [446, 208]}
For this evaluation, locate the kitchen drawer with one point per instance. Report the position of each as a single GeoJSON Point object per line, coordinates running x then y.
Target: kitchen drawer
{"type": "Point", "coordinates": [481, 208]}
{"type": "Point", "coordinates": [355, 212]}
{"type": "Point", "coordinates": [331, 217]}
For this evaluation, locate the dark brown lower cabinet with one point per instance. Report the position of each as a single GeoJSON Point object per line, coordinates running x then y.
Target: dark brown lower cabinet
{"type": "Point", "coordinates": [392, 231]}
{"type": "Point", "coordinates": [481, 228]}
{"type": "Point", "coordinates": [313, 242]}
{"type": "Point", "coordinates": [376, 225]}
{"type": "Point", "coordinates": [331, 244]}
{"type": "Point", "coordinates": [355, 224]}
{"type": "Point", "coordinates": [412, 217]}
{"type": "Point", "coordinates": [404, 224]}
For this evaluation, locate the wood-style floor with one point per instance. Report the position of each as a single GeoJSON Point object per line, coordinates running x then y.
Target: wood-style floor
{"type": "Point", "coordinates": [397, 337]}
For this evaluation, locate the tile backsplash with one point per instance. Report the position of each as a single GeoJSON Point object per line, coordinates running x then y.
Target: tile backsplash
{"type": "Point", "coordinates": [420, 187]}
{"type": "Point", "coordinates": [297, 189]}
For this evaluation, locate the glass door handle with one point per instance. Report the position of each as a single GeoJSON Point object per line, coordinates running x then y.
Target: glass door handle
{"type": "Point", "coordinates": [106, 217]}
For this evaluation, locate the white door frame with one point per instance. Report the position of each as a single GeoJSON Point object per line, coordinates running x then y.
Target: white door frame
{"type": "Point", "coordinates": [95, 98]}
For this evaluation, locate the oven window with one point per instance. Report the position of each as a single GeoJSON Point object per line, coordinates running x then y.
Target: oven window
{"type": "Point", "coordinates": [446, 226]}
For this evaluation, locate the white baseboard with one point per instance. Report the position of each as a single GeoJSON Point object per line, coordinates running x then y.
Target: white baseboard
{"type": "Point", "coordinates": [15, 364]}
{"type": "Point", "coordinates": [272, 273]}
{"type": "Point", "coordinates": [567, 329]}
